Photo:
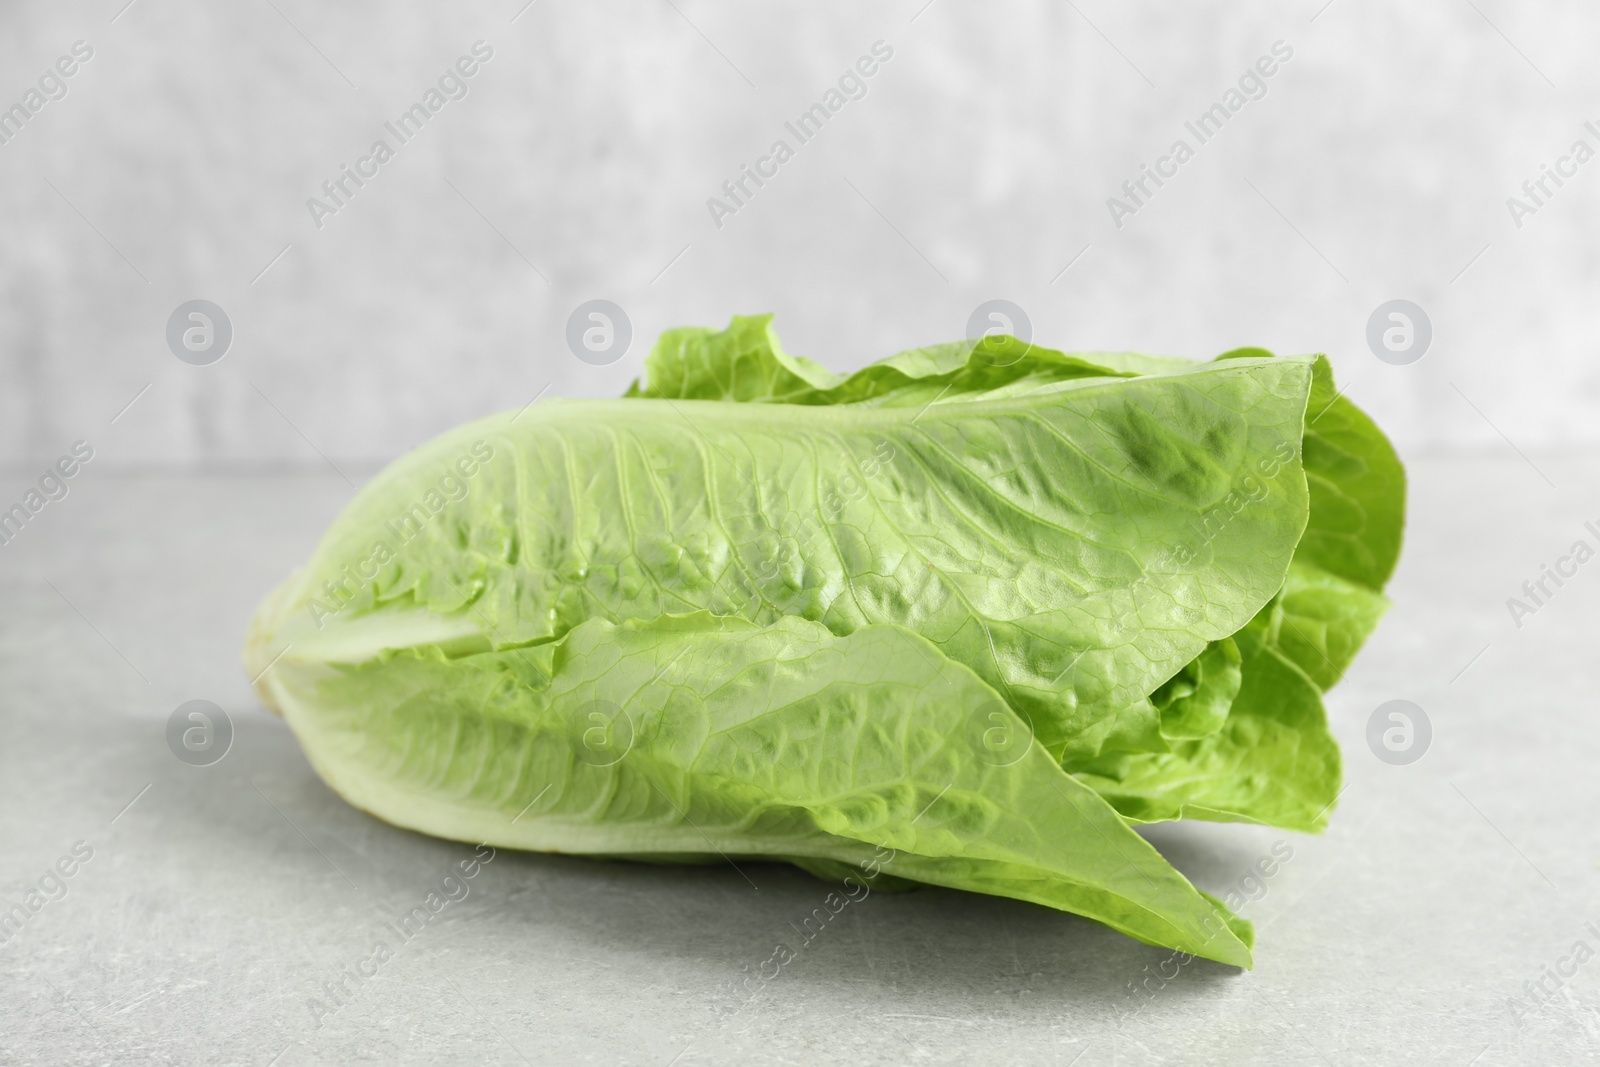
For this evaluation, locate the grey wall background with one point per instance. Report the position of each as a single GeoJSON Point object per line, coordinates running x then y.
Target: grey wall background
{"type": "Point", "coordinates": [977, 166]}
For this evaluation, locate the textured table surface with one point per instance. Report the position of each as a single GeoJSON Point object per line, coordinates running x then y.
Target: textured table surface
{"type": "Point", "coordinates": [218, 901]}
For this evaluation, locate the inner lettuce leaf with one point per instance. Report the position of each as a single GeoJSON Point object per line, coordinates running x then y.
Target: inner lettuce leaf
{"type": "Point", "coordinates": [747, 363]}
{"type": "Point", "coordinates": [1275, 761]}
{"type": "Point", "coordinates": [1073, 592]}
{"type": "Point", "coordinates": [1195, 702]}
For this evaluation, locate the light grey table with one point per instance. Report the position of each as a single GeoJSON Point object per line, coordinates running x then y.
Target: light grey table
{"type": "Point", "coordinates": [218, 901]}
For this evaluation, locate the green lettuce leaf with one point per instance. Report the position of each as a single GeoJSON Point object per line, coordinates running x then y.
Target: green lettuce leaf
{"type": "Point", "coordinates": [713, 738]}
{"type": "Point", "coordinates": [1032, 537]}
{"type": "Point", "coordinates": [1277, 762]}
{"type": "Point", "coordinates": [746, 363]}
{"type": "Point", "coordinates": [1194, 703]}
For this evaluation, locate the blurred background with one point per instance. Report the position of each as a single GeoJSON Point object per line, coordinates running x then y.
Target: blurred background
{"type": "Point", "coordinates": [578, 165]}
{"type": "Point", "coordinates": [156, 153]}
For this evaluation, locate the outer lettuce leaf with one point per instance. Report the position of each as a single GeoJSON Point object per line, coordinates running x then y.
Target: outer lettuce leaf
{"type": "Point", "coordinates": [1030, 537]}
{"type": "Point", "coordinates": [1358, 489]}
{"type": "Point", "coordinates": [707, 737]}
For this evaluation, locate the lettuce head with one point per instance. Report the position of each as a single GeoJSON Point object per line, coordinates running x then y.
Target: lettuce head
{"type": "Point", "coordinates": [965, 617]}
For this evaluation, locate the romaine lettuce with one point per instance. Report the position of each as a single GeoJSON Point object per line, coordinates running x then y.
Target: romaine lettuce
{"type": "Point", "coordinates": [959, 618]}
